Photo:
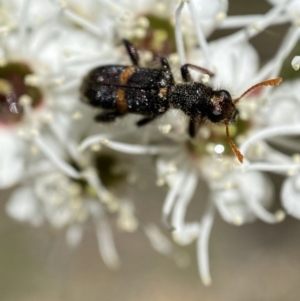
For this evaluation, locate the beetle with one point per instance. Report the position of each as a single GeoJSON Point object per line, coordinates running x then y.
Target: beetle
{"type": "Point", "coordinates": [120, 90]}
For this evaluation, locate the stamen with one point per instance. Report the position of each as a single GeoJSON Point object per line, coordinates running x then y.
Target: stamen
{"type": "Point", "coordinates": [178, 34]}
{"type": "Point", "coordinates": [271, 167]}
{"type": "Point", "coordinates": [94, 181]}
{"type": "Point", "coordinates": [245, 20]}
{"type": "Point", "coordinates": [263, 214]}
{"type": "Point", "coordinates": [77, 115]}
{"type": "Point", "coordinates": [126, 220]}
{"type": "Point", "coordinates": [23, 24]}
{"type": "Point", "coordinates": [273, 67]}
{"type": "Point", "coordinates": [123, 147]}
{"type": "Point", "coordinates": [237, 153]}
{"type": "Point", "coordinates": [239, 21]}
{"type": "Point", "coordinates": [74, 235]}
{"type": "Point", "coordinates": [105, 239]}
{"type": "Point", "coordinates": [56, 160]}
{"type": "Point", "coordinates": [200, 36]}
{"type": "Point", "coordinates": [80, 21]}
{"type": "Point", "coordinates": [158, 241]}
{"type": "Point", "coordinates": [184, 198]}
{"type": "Point", "coordinates": [270, 82]}
{"type": "Point", "coordinates": [271, 132]}
{"type": "Point", "coordinates": [266, 20]}
{"type": "Point", "coordinates": [202, 245]}
{"type": "Point", "coordinates": [171, 198]}
{"type": "Point", "coordinates": [89, 141]}
{"type": "Point", "coordinates": [296, 63]}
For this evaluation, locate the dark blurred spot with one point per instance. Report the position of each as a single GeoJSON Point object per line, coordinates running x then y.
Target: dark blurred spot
{"type": "Point", "coordinates": [12, 86]}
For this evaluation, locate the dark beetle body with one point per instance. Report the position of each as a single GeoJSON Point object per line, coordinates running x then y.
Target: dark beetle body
{"type": "Point", "coordinates": [128, 89]}
{"type": "Point", "coordinates": [151, 92]}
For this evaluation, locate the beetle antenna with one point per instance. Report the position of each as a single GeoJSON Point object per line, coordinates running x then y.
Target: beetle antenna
{"type": "Point", "coordinates": [234, 148]}
{"type": "Point", "coordinates": [270, 82]}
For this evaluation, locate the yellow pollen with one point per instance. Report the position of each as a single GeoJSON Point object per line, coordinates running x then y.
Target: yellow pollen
{"type": "Point", "coordinates": [5, 86]}
{"type": "Point", "coordinates": [25, 100]}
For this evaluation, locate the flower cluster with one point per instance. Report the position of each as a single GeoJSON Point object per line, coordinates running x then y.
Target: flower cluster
{"type": "Point", "coordinates": [71, 170]}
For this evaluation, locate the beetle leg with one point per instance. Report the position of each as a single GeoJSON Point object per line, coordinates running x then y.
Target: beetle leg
{"type": "Point", "coordinates": [194, 125]}
{"type": "Point", "coordinates": [106, 116]}
{"type": "Point", "coordinates": [186, 74]}
{"type": "Point", "coordinates": [165, 64]}
{"type": "Point", "coordinates": [132, 52]}
{"type": "Point", "coordinates": [167, 69]}
{"type": "Point", "coordinates": [145, 120]}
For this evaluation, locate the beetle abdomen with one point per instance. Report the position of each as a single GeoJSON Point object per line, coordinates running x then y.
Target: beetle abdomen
{"type": "Point", "coordinates": [126, 89]}
{"type": "Point", "coordinates": [99, 86]}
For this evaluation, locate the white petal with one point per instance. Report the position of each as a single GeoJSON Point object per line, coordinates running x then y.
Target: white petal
{"type": "Point", "coordinates": [22, 206]}
{"type": "Point", "coordinates": [232, 209]}
{"type": "Point", "coordinates": [294, 11]}
{"type": "Point", "coordinates": [284, 130]}
{"type": "Point", "coordinates": [296, 63]}
{"type": "Point", "coordinates": [187, 190]}
{"type": "Point", "coordinates": [209, 14]}
{"type": "Point", "coordinates": [58, 217]}
{"type": "Point", "coordinates": [56, 159]}
{"type": "Point", "coordinates": [106, 245]}
{"type": "Point", "coordinates": [187, 234]}
{"type": "Point", "coordinates": [239, 202]}
{"type": "Point", "coordinates": [105, 239]}
{"type": "Point", "coordinates": [233, 64]}
{"type": "Point", "coordinates": [74, 235]}
{"type": "Point", "coordinates": [290, 196]}
{"type": "Point", "coordinates": [159, 242]}
{"type": "Point", "coordinates": [284, 107]}
{"type": "Point", "coordinates": [12, 154]}
{"type": "Point", "coordinates": [276, 2]}
{"type": "Point", "coordinates": [127, 220]}
{"type": "Point", "coordinates": [172, 195]}
{"type": "Point", "coordinates": [202, 245]}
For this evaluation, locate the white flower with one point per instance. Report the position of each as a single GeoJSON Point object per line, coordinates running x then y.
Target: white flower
{"type": "Point", "coordinates": [42, 121]}
{"type": "Point", "coordinates": [233, 64]}
{"type": "Point", "coordinates": [182, 163]}
{"type": "Point", "coordinates": [284, 105]}
{"type": "Point", "coordinates": [273, 147]}
{"type": "Point", "coordinates": [62, 183]}
{"type": "Point", "coordinates": [63, 203]}
{"type": "Point", "coordinates": [292, 9]}
{"type": "Point", "coordinates": [134, 18]}
{"type": "Point", "coordinates": [39, 83]}
{"type": "Point", "coordinates": [231, 192]}
{"type": "Point", "coordinates": [290, 196]}
{"type": "Point", "coordinates": [239, 203]}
